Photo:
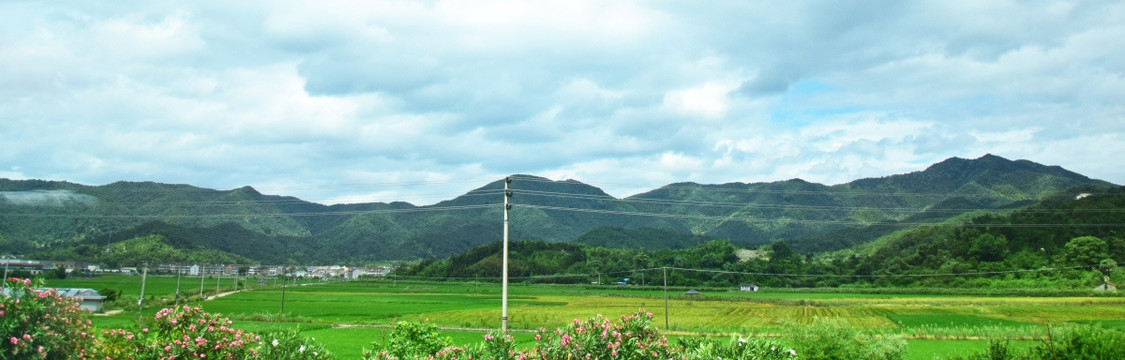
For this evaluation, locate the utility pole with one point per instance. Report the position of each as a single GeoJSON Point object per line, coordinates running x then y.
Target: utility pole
{"type": "Point", "coordinates": [504, 291]}
{"type": "Point", "coordinates": [4, 281]}
{"type": "Point", "coordinates": [665, 298]}
{"type": "Point", "coordinates": [202, 275]}
{"type": "Point", "coordinates": [179, 271]}
{"type": "Point", "coordinates": [141, 301]}
{"type": "Point", "coordinates": [282, 298]}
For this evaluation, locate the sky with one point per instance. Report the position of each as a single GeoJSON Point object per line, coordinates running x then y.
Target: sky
{"type": "Point", "coordinates": [421, 101]}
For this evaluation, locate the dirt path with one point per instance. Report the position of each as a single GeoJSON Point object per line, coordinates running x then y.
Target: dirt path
{"type": "Point", "coordinates": [109, 313]}
{"type": "Point", "coordinates": [219, 295]}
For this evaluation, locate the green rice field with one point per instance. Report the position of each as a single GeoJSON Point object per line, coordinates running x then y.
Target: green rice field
{"type": "Point", "coordinates": [348, 316]}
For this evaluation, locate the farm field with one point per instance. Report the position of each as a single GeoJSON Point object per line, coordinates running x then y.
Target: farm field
{"type": "Point", "coordinates": [346, 317]}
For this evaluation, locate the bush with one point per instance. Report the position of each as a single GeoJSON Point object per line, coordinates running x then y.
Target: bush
{"type": "Point", "coordinates": [632, 337]}
{"type": "Point", "coordinates": [110, 294]}
{"type": "Point", "coordinates": [829, 339]}
{"type": "Point", "coordinates": [190, 333]}
{"type": "Point", "coordinates": [41, 324]}
{"type": "Point", "coordinates": [1080, 343]}
{"type": "Point", "coordinates": [289, 344]}
{"type": "Point", "coordinates": [180, 333]}
{"type": "Point", "coordinates": [409, 340]}
{"type": "Point", "coordinates": [737, 348]}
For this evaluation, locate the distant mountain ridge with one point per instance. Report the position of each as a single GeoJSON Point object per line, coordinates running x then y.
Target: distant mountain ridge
{"type": "Point", "coordinates": [63, 219]}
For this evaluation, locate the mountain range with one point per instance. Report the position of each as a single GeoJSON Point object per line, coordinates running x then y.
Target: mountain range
{"type": "Point", "coordinates": [65, 220]}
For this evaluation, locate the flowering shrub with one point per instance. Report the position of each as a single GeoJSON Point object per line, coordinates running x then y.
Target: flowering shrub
{"type": "Point", "coordinates": [180, 333]}
{"type": "Point", "coordinates": [633, 337]}
{"type": "Point", "coordinates": [41, 324]}
{"type": "Point", "coordinates": [497, 346]}
{"type": "Point", "coordinates": [190, 333]}
{"type": "Point", "coordinates": [737, 348]}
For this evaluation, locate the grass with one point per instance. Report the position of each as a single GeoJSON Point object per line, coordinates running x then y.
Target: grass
{"type": "Point", "coordinates": [952, 320]}
{"type": "Point", "coordinates": [1118, 324]}
{"type": "Point", "coordinates": [929, 349]}
{"type": "Point", "coordinates": [935, 324]}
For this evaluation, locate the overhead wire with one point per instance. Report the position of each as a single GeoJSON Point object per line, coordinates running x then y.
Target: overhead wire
{"type": "Point", "coordinates": [769, 205]}
{"type": "Point", "coordinates": [746, 188]}
{"type": "Point", "coordinates": [806, 221]}
{"type": "Point", "coordinates": [754, 274]}
{"type": "Point", "coordinates": [528, 193]}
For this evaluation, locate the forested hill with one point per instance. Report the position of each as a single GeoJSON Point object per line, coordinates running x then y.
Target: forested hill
{"type": "Point", "coordinates": [71, 221]}
{"type": "Point", "coordinates": [1067, 241]}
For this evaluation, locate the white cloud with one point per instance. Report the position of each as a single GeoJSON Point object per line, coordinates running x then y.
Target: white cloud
{"type": "Point", "coordinates": [292, 94]}
{"type": "Point", "coordinates": [708, 101]}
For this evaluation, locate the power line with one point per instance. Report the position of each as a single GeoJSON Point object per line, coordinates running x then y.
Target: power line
{"type": "Point", "coordinates": [792, 206]}
{"type": "Point", "coordinates": [881, 276]}
{"type": "Point", "coordinates": [744, 188]}
{"type": "Point", "coordinates": [805, 221]}
{"type": "Point", "coordinates": [734, 217]}
{"type": "Point", "coordinates": [220, 216]}
{"type": "Point", "coordinates": [755, 274]}
{"type": "Point", "coordinates": [533, 194]}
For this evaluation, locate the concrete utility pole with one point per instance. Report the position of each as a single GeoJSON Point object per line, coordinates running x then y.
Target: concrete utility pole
{"type": "Point", "coordinates": [504, 290]}
{"type": "Point", "coordinates": [4, 281]}
{"type": "Point", "coordinates": [141, 301]}
{"type": "Point", "coordinates": [282, 298]}
{"type": "Point", "coordinates": [665, 298]}
{"type": "Point", "coordinates": [179, 272]}
{"type": "Point", "coordinates": [202, 275]}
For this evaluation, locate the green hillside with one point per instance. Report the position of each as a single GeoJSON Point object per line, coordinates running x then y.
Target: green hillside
{"type": "Point", "coordinates": [61, 219]}
{"type": "Point", "coordinates": [1066, 242]}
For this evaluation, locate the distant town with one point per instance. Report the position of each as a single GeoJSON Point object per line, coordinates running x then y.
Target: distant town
{"type": "Point", "coordinates": [325, 272]}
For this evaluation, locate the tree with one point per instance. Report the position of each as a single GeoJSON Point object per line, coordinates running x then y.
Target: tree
{"type": "Point", "coordinates": [1107, 266]}
{"type": "Point", "coordinates": [989, 248]}
{"type": "Point", "coordinates": [1085, 251]}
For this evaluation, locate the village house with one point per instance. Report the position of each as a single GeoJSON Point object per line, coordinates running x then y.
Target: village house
{"type": "Point", "coordinates": [89, 299]}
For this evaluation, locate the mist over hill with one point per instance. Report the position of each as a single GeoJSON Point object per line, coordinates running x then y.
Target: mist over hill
{"type": "Point", "coordinates": [71, 221]}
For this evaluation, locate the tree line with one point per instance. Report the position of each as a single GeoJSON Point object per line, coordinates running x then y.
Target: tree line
{"type": "Point", "coordinates": [1060, 242]}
